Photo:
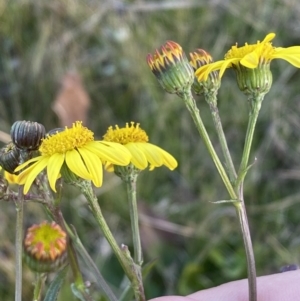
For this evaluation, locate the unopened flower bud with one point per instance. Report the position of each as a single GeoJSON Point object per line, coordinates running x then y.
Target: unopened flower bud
{"type": "Point", "coordinates": [45, 247]}
{"type": "Point", "coordinates": [9, 157]}
{"type": "Point", "coordinates": [27, 135]}
{"type": "Point", "coordinates": [171, 68]}
{"type": "Point", "coordinates": [212, 84]}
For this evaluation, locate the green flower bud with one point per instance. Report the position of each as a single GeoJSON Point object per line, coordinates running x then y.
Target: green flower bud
{"type": "Point", "coordinates": [254, 82]}
{"type": "Point", "coordinates": [171, 68]}
{"type": "Point", "coordinates": [212, 84]}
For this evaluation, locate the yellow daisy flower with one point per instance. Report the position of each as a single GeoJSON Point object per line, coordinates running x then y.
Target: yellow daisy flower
{"type": "Point", "coordinates": [76, 149]}
{"type": "Point", "coordinates": [136, 141]}
{"type": "Point", "coordinates": [251, 56]}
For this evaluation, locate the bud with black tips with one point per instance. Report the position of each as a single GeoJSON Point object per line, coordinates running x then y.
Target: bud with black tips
{"type": "Point", "coordinates": [27, 135]}
{"type": "Point", "coordinates": [9, 157]}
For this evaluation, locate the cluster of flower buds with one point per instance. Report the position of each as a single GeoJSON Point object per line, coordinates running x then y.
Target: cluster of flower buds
{"type": "Point", "coordinates": [176, 74]}
{"type": "Point", "coordinates": [26, 137]}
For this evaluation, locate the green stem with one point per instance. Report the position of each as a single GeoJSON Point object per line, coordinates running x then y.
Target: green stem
{"type": "Point", "coordinates": [255, 105]}
{"type": "Point", "coordinates": [88, 260]}
{"type": "Point", "coordinates": [240, 206]}
{"type": "Point", "coordinates": [219, 128]}
{"type": "Point", "coordinates": [241, 212]}
{"type": "Point", "coordinates": [73, 261]}
{"type": "Point", "coordinates": [19, 240]}
{"type": "Point", "coordinates": [87, 191]}
{"type": "Point", "coordinates": [54, 211]}
{"type": "Point", "coordinates": [194, 111]}
{"type": "Point", "coordinates": [38, 286]}
{"type": "Point", "coordinates": [134, 218]}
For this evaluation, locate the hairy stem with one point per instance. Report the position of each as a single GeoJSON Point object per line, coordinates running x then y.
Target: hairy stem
{"type": "Point", "coordinates": [129, 269]}
{"type": "Point", "coordinates": [134, 218]}
{"type": "Point", "coordinates": [219, 128]}
{"type": "Point", "coordinates": [19, 246]}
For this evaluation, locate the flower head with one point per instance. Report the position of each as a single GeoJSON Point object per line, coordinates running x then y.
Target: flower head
{"type": "Point", "coordinates": [201, 58]}
{"type": "Point", "coordinates": [171, 68]}
{"type": "Point", "coordinates": [252, 56]}
{"type": "Point", "coordinates": [136, 141]}
{"type": "Point", "coordinates": [74, 149]}
{"type": "Point", "coordinates": [45, 247]}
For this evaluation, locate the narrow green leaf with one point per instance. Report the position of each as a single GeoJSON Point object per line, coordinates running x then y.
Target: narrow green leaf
{"type": "Point", "coordinates": [226, 201]}
{"type": "Point", "coordinates": [55, 285]}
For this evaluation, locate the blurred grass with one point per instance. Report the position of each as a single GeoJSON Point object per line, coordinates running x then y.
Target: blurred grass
{"type": "Point", "coordinates": [107, 42]}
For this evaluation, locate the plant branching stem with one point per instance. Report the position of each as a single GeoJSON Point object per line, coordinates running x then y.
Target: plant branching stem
{"type": "Point", "coordinates": [255, 105]}
{"type": "Point", "coordinates": [87, 191]}
{"type": "Point", "coordinates": [194, 111]}
{"type": "Point", "coordinates": [88, 260]}
{"type": "Point", "coordinates": [134, 218]}
{"type": "Point", "coordinates": [223, 142]}
{"type": "Point", "coordinates": [19, 240]}
{"type": "Point", "coordinates": [38, 286]}
{"type": "Point", "coordinates": [242, 215]}
{"type": "Point", "coordinates": [235, 193]}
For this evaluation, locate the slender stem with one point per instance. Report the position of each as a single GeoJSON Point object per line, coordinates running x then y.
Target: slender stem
{"type": "Point", "coordinates": [38, 286]}
{"type": "Point", "coordinates": [219, 128]}
{"type": "Point", "coordinates": [241, 212]}
{"type": "Point", "coordinates": [86, 257]}
{"type": "Point", "coordinates": [240, 206]}
{"type": "Point", "coordinates": [194, 111]}
{"type": "Point", "coordinates": [255, 105]}
{"type": "Point", "coordinates": [87, 191]}
{"type": "Point", "coordinates": [72, 256]}
{"type": "Point", "coordinates": [19, 239]}
{"type": "Point", "coordinates": [54, 211]}
{"type": "Point", "coordinates": [134, 218]}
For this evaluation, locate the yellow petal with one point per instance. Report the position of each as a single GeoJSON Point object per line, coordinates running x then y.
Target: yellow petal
{"type": "Point", "coordinates": [109, 167]}
{"type": "Point", "coordinates": [203, 72]}
{"type": "Point", "coordinates": [168, 160]}
{"type": "Point", "coordinates": [27, 163]}
{"type": "Point", "coordinates": [152, 153]}
{"type": "Point", "coordinates": [290, 54]}
{"type": "Point", "coordinates": [138, 159]}
{"type": "Point", "coordinates": [269, 37]}
{"type": "Point", "coordinates": [76, 165]}
{"type": "Point", "coordinates": [250, 60]}
{"type": "Point", "coordinates": [227, 64]}
{"type": "Point", "coordinates": [93, 164]}
{"type": "Point", "coordinates": [28, 175]}
{"type": "Point", "coordinates": [11, 178]}
{"type": "Point", "coordinates": [53, 168]}
{"type": "Point", "coordinates": [110, 151]}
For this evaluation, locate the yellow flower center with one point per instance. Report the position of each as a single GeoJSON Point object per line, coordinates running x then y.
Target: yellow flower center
{"type": "Point", "coordinates": [132, 133]}
{"type": "Point", "coordinates": [264, 51]}
{"type": "Point", "coordinates": [69, 139]}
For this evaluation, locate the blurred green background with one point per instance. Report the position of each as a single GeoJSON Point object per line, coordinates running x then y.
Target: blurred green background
{"type": "Point", "coordinates": [196, 244]}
